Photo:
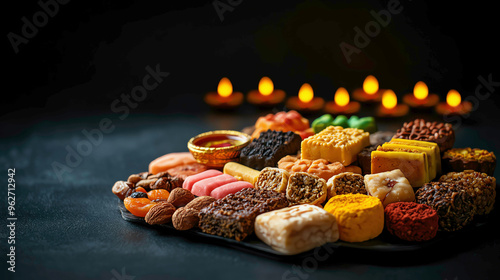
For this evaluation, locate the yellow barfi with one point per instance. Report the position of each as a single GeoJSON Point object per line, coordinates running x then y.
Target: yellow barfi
{"type": "Point", "coordinates": [417, 143]}
{"type": "Point", "coordinates": [360, 217]}
{"type": "Point", "coordinates": [431, 156]}
{"type": "Point", "coordinates": [335, 144]}
{"type": "Point", "coordinates": [412, 163]}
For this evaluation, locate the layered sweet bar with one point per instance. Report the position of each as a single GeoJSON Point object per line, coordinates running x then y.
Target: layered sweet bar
{"type": "Point", "coordinates": [412, 162]}
{"type": "Point", "coordinates": [335, 144]}
{"type": "Point", "coordinates": [234, 215]}
{"type": "Point", "coordinates": [429, 148]}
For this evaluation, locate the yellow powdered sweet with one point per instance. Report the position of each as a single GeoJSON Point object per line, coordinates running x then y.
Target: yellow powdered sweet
{"type": "Point", "coordinates": [360, 217]}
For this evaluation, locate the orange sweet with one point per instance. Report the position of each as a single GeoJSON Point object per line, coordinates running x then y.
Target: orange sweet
{"type": "Point", "coordinates": [171, 160]}
{"type": "Point", "coordinates": [283, 121]}
{"type": "Point", "coordinates": [158, 194]}
{"type": "Point", "coordinates": [138, 206]}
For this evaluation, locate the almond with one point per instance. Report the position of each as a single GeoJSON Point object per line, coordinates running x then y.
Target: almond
{"type": "Point", "coordinates": [161, 213]}
{"type": "Point", "coordinates": [180, 197]}
{"type": "Point", "coordinates": [185, 218]}
{"type": "Point", "coordinates": [200, 202]}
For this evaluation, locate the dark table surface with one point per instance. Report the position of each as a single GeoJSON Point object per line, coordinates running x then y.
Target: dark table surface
{"type": "Point", "coordinates": [70, 227]}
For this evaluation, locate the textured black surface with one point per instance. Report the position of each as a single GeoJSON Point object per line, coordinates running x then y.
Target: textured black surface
{"type": "Point", "coordinates": [73, 229]}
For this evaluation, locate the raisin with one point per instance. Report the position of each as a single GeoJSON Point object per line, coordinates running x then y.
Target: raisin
{"type": "Point", "coordinates": [139, 195]}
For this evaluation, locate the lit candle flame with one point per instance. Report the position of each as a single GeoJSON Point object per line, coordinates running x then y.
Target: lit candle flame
{"type": "Point", "coordinates": [389, 99]}
{"type": "Point", "coordinates": [453, 98]}
{"type": "Point", "coordinates": [266, 86]}
{"type": "Point", "coordinates": [225, 88]}
{"type": "Point", "coordinates": [420, 91]}
{"type": "Point", "coordinates": [370, 85]}
{"type": "Point", "coordinates": [306, 93]}
{"type": "Point", "coordinates": [341, 97]}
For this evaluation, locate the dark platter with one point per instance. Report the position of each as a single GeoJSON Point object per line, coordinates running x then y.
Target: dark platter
{"type": "Point", "coordinates": [383, 243]}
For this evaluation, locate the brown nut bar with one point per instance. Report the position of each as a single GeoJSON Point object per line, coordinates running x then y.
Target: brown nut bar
{"type": "Point", "coordinates": [272, 178]}
{"type": "Point", "coordinates": [305, 188]}
{"type": "Point", "coordinates": [479, 186]}
{"type": "Point", "coordinates": [419, 129]}
{"type": "Point", "coordinates": [460, 159]}
{"type": "Point", "coordinates": [453, 204]}
{"type": "Point", "coordinates": [234, 215]}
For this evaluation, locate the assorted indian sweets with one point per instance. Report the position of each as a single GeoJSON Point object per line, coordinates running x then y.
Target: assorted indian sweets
{"type": "Point", "coordinates": [298, 186]}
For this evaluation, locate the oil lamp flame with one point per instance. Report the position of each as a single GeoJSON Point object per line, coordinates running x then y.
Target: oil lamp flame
{"type": "Point", "coordinates": [420, 91]}
{"type": "Point", "coordinates": [453, 98]}
{"type": "Point", "coordinates": [389, 99]}
{"type": "Point", "coordinates": [306, 93]}
{"type": "Point", "coordinates": [266, 86]}
{"type": "Point", "coordinates": [225, 88]}
{"type": "Point", "coordinates": [370, 85]}
{"type": "Point", "coordinates": [341, 97]}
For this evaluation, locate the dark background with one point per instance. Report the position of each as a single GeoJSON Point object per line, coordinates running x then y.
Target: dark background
{"type": "Point", "coordinates": [64, 80]}
{"type": "Point", "coordinates": [90, 53]}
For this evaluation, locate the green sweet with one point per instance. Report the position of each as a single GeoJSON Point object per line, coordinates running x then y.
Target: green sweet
{"type": "Point", "coordinates": [341, 120]}
{"type": "Point", "coordinates": [322, 122]}
{"type": "Point", "coordinates": [367, 124]}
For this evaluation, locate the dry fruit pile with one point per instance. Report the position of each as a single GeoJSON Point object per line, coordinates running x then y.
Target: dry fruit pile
{"type": "Point", "coordinates": [297, 190]}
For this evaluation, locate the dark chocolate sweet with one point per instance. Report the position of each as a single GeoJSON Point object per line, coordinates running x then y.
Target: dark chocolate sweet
{"type": "Point", "coordinates": [365, 159]}
{"type": "Point", "coordinates": [234, 215]}
{"type": "Point", "coordinates": [269, 148]}
{"type": "Point", "coordinates": [419, 129]}
{"type": "Point", "coordinates": [479, 186]}
{"type": "Point", "coordinates": [453, 204]}
{"type": "Point", "coordinates": [460, 159]}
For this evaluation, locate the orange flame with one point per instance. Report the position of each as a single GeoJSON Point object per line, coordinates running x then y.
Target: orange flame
{"type": "Point", "coordinates": [266, 86]}
{"type": "Point", "coordinates": [420, 91]}
{"type": "Point", "coordinates": [306, 93]}
{"type": "Point", "coordinates": [389, 99]}
{"type": "Point", "coordinates": [225, 88]}
{"type": "Point", "coordinates": [341, 97]}
{"type": "Point", "coordinates": [453, 98]}
{"type": "Point", "coordinates": [370, 85]}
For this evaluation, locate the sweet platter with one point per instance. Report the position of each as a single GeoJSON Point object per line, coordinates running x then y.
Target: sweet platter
{"type": "Point", "coordinates": [383, 243]}
{"type": "Point", "coordinates": [288, 187]}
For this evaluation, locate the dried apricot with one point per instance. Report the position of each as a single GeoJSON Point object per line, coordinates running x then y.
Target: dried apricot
{"type": "Point", "coordinates": [138, 206]}
{"type": "Point", "coordinates": [158, 194]}
{"type": "Point", "coordinates": [140, 189]}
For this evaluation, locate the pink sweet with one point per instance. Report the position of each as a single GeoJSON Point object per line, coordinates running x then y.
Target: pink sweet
{"type": "Point", "coordinates": [206, 186]}
{"type": "Point", "coordinates": [191, 180]}
{"type": "Point", "coordinates": [226, 189]}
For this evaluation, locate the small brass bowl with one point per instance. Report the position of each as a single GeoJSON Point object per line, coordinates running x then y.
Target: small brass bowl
{"type": "Point", "coordinates": [216, 157]}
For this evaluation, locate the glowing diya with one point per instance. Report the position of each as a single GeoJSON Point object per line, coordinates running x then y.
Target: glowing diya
{"type": "Point", "coordinates": [305, 102]}
{"type": "Point", "coordinates": [224, 98]}
{"type": "Point", "coordinates": [454, 105]}
{"type": "Point", "coordinates": [266, 95]}
{"type": "Point", "coordinates": [390, 107]}
{"type": "Point", "coordinates": [421, 99]}
{"type": "Point", "coordinates": [341, 104]}
{"type": "Point", "coordinates": [370, 92]}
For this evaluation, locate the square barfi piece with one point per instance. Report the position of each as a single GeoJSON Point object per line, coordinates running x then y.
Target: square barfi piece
{"type": "Point", "coordinates": [335, 144]}
{"type": "Point", "coordinates": [430, 145]}
{"type": "Point", "coordinates": [412, 163]}
{"type": "Point", "coordinates": [431, 156]}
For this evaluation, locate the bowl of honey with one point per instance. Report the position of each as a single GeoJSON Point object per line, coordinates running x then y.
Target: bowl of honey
{"type": "Point", "coordinates": [216, 148]}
